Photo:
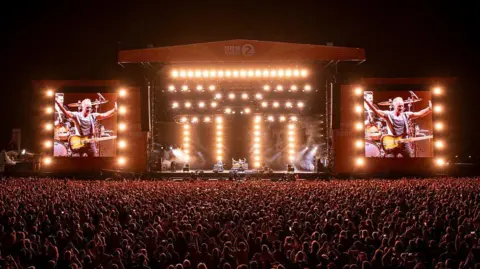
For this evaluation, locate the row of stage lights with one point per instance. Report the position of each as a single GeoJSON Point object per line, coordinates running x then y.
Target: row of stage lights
{"type": "Point", "coordinates": [241, 73]}
{"type": "Point", "coordinates": [438, 126]}
{"type": "Point", "coordinates": [257, 141]}
{"type": "Point", "coordinates": [213, 104]}
{"type": "Point", "coordinates": [48, 126]}
{"type": "Point", "coordinates": [266, 87]}
{"type": "Point", "coordinates": [208, 119]}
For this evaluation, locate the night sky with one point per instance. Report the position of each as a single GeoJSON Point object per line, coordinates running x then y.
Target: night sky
{"type": "Point", "coordinates": [69, 41]}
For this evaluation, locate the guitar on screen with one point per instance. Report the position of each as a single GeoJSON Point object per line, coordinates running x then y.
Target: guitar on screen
{"type": "Point", "coordinates": [391, 142]}
{"type": "Point", "coordinates": [77, 142]}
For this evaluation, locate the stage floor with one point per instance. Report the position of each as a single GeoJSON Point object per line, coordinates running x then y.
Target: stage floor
{"type": "Point", "coordinates": [209, 174]}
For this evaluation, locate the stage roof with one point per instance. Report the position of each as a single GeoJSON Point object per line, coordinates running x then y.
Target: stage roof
{"type": "Point", "coordinates": [241, 50]}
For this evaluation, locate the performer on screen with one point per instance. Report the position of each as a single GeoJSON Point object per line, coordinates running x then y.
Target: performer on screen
{"type": "Point", "coordinates": [85, 123]}
{"type": "Point", "coordinates": [397, 123]}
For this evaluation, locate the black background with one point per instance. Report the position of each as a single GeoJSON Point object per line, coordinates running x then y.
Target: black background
{"type": "Point", "coordinates": [79, 40]}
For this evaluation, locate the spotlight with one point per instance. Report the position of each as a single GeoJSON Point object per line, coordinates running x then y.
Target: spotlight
{"type": "Point", "coordinates": [438, 108]}
{"type": "Point", "coordinates": [207, 119]}
{"type": "Point", "coordinates": [440, 162]}
{"type": "Point", "coordinates": [220, 73]}
{"type": "Point", "coordinates": [188, 104]}
{"type": "Point", "coordinates": [257, 164]}
{"type": "Point", "coordinates": [213, 104]}
{"type": "Point", "coordinates": [258, 119]}
{"type": "Point", "coordinates": [291, 151]}
{"type": "Point", "coordinates": [359, 161]}
{"type": "Point", "coordinates": [47, 160]}
{"type": "Point", "coordinates": [275, 104]}
{"type": "Point", "coordinates": [199, 88]}
{"type": "Point", "coordinates": [198, 73]}
{"type": "Point", "coordinates": [291, 139]}
{"type": "Point", "coordinates": [282, 118]}
{"type": "Point", "coordinates": [219, 133]}
{"type": "Point", "coordinates": [47, 144]}
{"type": "Point", "coordinates": [235, 73]}
{"type": "Point", "coordinates": [186, 146]}
{"type": "Point", "coordinates": [219, 127]}
{"type": "Point", "coordinates": [190, 73]}
{"type": "Point", "coordinates": [50, 93]}
{"type": "Point", "coordinates": [279, 88]}
{"type": "Point", "coordinates": [358, 126]}
{"type": "Point", "coordinates": [308, 88]}
{"type": "Point", "coordinates": [266, 88]}
{"type": "Point", "coordinates": [211, 87]}
{"type": "Point", "coordinates": [273, 73]}
{"type": "Point", "coordinates": [201, 104]}
{"type": "Point", "coordinates": [231, 96]}
{"type": "Point", "coordinates": [304, 73]}
{"type": "Point", "coordinates": [122, 126]}
{"type": "Point", "coordinates": [358, 109]}
{"type": "Point", "coordinates": [256, 133]}
{"type": "Point", "coordinates": [439, 144]}
{"type": "Point", "coordinates": [265, 73]}
{"type": "Point", "coordinates": [219, 151]}
{"type": "Point", "coordinates": [205, 73]}
{"type": "Point", "coordinates": [256, 146]}
{"type": "Point", "coordinates": [281, 73]}
{"type": "Point", "coordinates": [244, 96]}
{"type": "Point", "coordinates": [293, 88]}
{"type": "Point", "coordinates": [358, 91]}
{"type": "Point", "coordinates": [291, 158]}
{"type": "Point", "coordinates": [258, 96]}
{"type": "Point", "coordinates": [174, 73]}
{"type": "Point", "coordinates": [121, 161]}
{"type": "Point", "coordinates": [213, 73]}
{"type": "Point", "coordinates": [437, 91]}
{"type": "Point", "coordinates": [228, 73]}
{"type": "Point", "coordinates": [294, 118]}
{"type": "Point", "coordinates": [264, 104]}
{"type": "Point", "coordinates": [194, 120]}
{"type": "Point", "coordinates": [48, 110]}
{"type": "Point", "coordinates": [256, 127]}
{"type": "Point", "coordinates": [270, 118]}
{"type": "Point", "coordinates": [122, 144]}
{"type": "Point", "coordinates": [257, 158]}
{"type": "Point", "coordinates": [184, 88]}
{"type": "Point", "coordinates": [219, 119]}
{"type": "Point", "coordinates": [258, 73]}
{"type": "Point", "coordinates": [247, 110]}
{"type": "Point", "coordinates": [438, 126]}
{"type": "Point", "coordinates": [256, 151]}
{"type": "Point", "coordinates": [219, 158]}
{"type": "Point", "coordinates": [122, 92]}
{"type": "Point", "coordinates": [228, 110]}
{"type": "Point", "coordinates": [243, 73]}
{"type": "Point", "coordinates": [291, 126]}
{"type": "Point", "coordinates": [218, 96]}
{"type": "Point", "coordinates": [296, 73]}
{"type": "Point", "coordinates": [122, 110]}
{"type": "Point", "coordinates": [300, 104]}
{"type": "Point", "coordinates": [183, 73]}
{"type": "Point", "coordinates": [174, 105]}
{"type": "Point", "coordinates": [186, 151]}
{"type": "Point", "coordinates": [186, 126]}
{"type": "Point", "coordinates": [48, 126]}
{"type": "Point", "coordinates": [288, 104]}
{"type": "Point", "coordinates": [359, 144]}
{"type": "Point", "coordinates": [288, 73]}
{"type": "Point", "coordinates": [183, 119]}
{"type": "Point", "coordinates": [250, 73]}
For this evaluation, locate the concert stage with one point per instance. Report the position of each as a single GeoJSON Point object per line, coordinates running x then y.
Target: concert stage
{"type": "Point", "coordinates": [210, 175]}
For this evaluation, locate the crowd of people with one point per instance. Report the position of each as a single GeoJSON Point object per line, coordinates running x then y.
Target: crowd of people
{"type": "Point", "coordinates": [407, 223]}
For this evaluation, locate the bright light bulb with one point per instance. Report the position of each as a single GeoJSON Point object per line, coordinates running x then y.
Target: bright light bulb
{"type": "Point", "coordinates": [296, 73]}
{"type": "Point", "coordinates": [171, 88]}
{"type": "Point", "coordinates": [308, 88]}
{"type": "Point", "coordinates": [48, 126]}
{"type": "Point", "coordinates": [47, 160]}
{"type": "Point", "coordinates": [439, 144]}
{"type": "Point", "coordinates": [194, 120]}
{"type": "Point", "coordinates": [258, 96]}
{"type": "Point", "coordinates": [282, 118]}
{"type": "Point", "coordinates": [359, 161]}
{"type": "Point", "coordinates": [188, 104]}
{"type": "Point", "coordinates": [438, 108]}
{"type": "Point", "coordinates": [47, 144]}
{"type": "Point", "coordinates": [300, 104]}
{"type": "Point", "coordinates": [174, 73]}
{"type": "Point", "coordinates": [288, 104]}
{"type": "Point", "coordinates": [358, 91]}
{"type": "Point", "coordinates": [122, 92]}
{"type": "Point", "coordinates": [231, 96]}
{"type": "Point", "coordinates": [247, 110]}
{"type": "Point", "coordinates": [437, 91]}
{"type": "Point", "coordinates": [183, 119]}
{"type": "Point", "coordinates": [184, 88]}
{"type": "Point", "coordinates": [440, 161]}
{"type": "Point", "coordinates": [207, 119]}
{"type": "Point", "coordinates": [218, 96]}
{"type": "Point", "coordinates": [358, 126]}
{"type": "Point", "coordinates": [121, 161]}
{"type": "Point", "coordinates": [294, 118]}
{"type": "Point", "coordinates": [266, 88]}
{"type": "Point", "coordinates": [201, 104]}
{"type": "Point", "coordinates": [190, 73]}
{"type": "Point", "coordinates": [211, 87]}
{"type": "Point", "coordinates": [439, 126]}
{"type": "Point", "coordinates": [183, 73]}
{"type": "Point", "coordinates": [244, 96]}
{"type": "Point", "coordinates": [264, 104]}
{"type": "Point", "coordinates": [279, 88]}
{"type": "Point", "coordinates": [359, 144]}
{"type": "Point", "coordinates": [49, 110]}
{"type": "Point", "coordinates": [276, 104]}
{"type": "Point", "coordinates": [122, 144]}
{"type": "Point", "coordinates": [293, 88]}
{"type": "Point", "coordinates": [199, 88]}
{"type": "Point", "coordinates": [270, 118]}
{"type": "Point", "coordinates": [303, 72]}
{"type": "Point", "coordinates": [358, 109]}
{"type": "Point", "coordinates": [122, 110]}
{"type": "Point", "coordinates": [219, 119]}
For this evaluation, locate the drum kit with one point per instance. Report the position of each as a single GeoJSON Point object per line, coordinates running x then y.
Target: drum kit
{"type": "Point", "coordinates": [377, 127]}
{"type": "Point", "coordinates": [65, 128]}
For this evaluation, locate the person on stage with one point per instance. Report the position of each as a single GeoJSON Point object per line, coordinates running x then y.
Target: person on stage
{"type": "Point", "coordinates": [85, 122]}
{"type": "Point", "coordinates": [397, 123]}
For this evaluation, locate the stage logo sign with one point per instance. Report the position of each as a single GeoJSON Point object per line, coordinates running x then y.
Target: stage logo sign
{"type": "Point", "coordinates": [245, 50]}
